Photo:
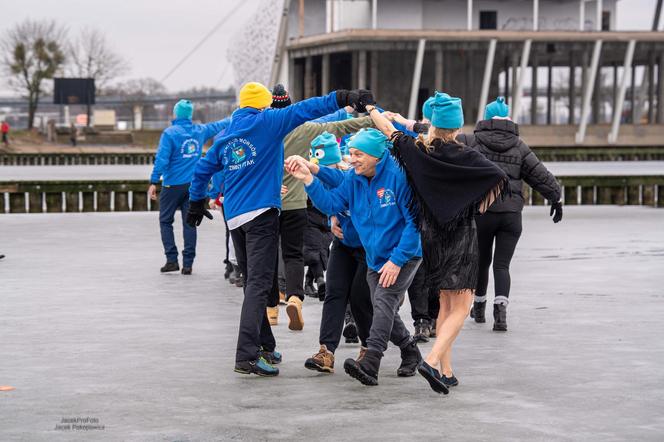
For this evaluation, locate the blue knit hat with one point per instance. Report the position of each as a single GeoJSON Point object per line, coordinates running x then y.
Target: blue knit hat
{"type": "Point", "coordinates": [426, 108]}
{"type": "Point", "coordinates": [370, 141]}
{"type": "Point", "coordinates": [497, 108]}
{"type": "Point", "coordinates": [447, 112]}
{"type": "Point", "coordinates": [326, 149]}
{"type": "Point", "coordinates": [183, 109]}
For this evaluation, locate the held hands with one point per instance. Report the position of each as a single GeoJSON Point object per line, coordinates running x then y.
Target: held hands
{"type": "Point", "coordinates": [152, 192]}
{"type": "Point", "coordinates": [298, 168]}
{"type": "Point", "coordinates": [556, 211]}
{"type": "Point", "coordinates": [357, 98]}
{"type": "Point", "coordinates": [335, 228]}
{"type": "Point", "coordinates": [388, 274]}
{"type": "Point", "coordinates": [196, 213]}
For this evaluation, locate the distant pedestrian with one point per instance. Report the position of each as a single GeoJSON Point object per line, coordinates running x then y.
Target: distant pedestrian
{"type": "Point", "coordinates": [4, 127]}
{"type": "Point", "coordinates": [73, 133]}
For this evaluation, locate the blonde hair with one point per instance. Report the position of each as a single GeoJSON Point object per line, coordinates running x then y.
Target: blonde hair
{"type": "Point", "coordinates": [447, 136]}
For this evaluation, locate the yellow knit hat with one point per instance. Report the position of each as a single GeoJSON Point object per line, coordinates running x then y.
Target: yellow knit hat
{"type": "Point", "coordinates": [255, 95]}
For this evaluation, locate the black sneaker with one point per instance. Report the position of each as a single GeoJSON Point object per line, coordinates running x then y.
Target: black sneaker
{"type": "Point", "coordinates": [260, 366]}
{"type": "Point", "coordinates": [186, 270]}
{"type": "Point", "coordinates": [228, 270]}
{"type": "Point", "coordinates": [499, 317]}
{"type": "Point", "coordinates": [452, 381]}
{"type": "Point", "coordinates": [320, 283]}
{"type": "Point", "coordinates": [422, 330]}
{"type": "Point", "coordinates": [366, 369]}
{"type": "Point", "coordinates": [433, 377]}
{"type": "Point", "coordinates": [170, 267]}
{"type": "Point", "coordinates": [350, 332]}
{"type": "Point", "coordinates": [410, 360]}
{"type": "Point", "coordinates": [477, 312]}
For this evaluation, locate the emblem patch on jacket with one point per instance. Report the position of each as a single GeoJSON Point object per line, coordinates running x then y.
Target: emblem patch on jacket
{"type": "Point", "coordinates": [386, 197]}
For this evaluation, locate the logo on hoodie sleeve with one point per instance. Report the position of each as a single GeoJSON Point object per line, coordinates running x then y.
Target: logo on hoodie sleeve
{"type": "Point", "coordinates": [386, 197]}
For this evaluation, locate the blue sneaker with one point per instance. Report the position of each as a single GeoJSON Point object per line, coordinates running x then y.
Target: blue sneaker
{"type": "Point", "coordinates": [273, 357]}
{"type": "Point", "coordinates": [260, 366]}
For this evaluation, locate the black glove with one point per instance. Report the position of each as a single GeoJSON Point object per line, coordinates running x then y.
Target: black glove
{"type": "Point", "coordinates": [556, 211]}
{"type": "Point", "coordinates": [347, 98]}
{"type": "Point", "coordinates": [196, 213]}
{"type": "Point", "coordinates": [366, 97]}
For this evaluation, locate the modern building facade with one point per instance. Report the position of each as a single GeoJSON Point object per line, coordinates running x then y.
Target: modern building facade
{"type": "Point", "coordinates": [557, 61]}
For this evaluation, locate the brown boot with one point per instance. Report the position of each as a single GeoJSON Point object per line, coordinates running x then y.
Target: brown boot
{"type": "Point", "coordinates": [322, 361]}
{"type": "Point", "coordinates": [294, 311]}
{"type": "Point", "coordinates": [273, 315]}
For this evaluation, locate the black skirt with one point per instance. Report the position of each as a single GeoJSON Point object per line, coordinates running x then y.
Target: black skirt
{"type": "Point", "coordinates": [456, 257]}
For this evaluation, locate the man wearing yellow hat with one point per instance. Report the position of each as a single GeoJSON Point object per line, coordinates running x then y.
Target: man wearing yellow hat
{"type": "Point", "coordinates": [251, 154]}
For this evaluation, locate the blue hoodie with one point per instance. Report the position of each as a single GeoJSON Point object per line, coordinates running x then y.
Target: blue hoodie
{"type": "Point", "coordinates": [378, 208]}
{"type": "Point", "coordinates": [251, 153]}
{"type": "Point", "coordinates": [180, 147]}
{"type": "Point", "coordinates": [339, 115]}
{"type": "Point", "coordinates": [332, 178]}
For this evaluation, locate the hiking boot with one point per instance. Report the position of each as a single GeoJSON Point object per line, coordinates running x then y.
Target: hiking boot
{"type": "Point", "coordinates": [186, 270]}
{"type": "Point", "coordinates": [451, 381]}
{"type": "Point", "coordinates": [235, 274]}
{"type": "Point", "coordinates": [366, 369]}
{"type": "Point", "coordinates": [170, 267]}
{"type": "Point", "coordinates": [433, 378]}
{"type": "Point", "coordinates": [228, 269]}
{"type": "Point", "coordinates": [282, 298]}
{"type": "Point", "coordinates": [350, 331]}
{"type": "Point", "coordinates": [320, 283]}
{"type": "Point", "coordinates": [310, 290]}
{"type": "Point", "coordinates": [260, 366]}
{"type": "Point", "coordinates": [422, 330]}
{"type": "Point", "coordinates": [499, 317]}
{"type": "Point", "coordinates": [477, 312]}
{"type": "Point", "coordinates": [432, 328]}
{"type": "Point", "coordinates": [272, 357]}
{"type": "Point", "coordinates": [273, 315]}
{"type": "Point", "coordinates": [363, 351]}
{"type": "Point", "coordinates": [294, 312]}
{"type": "Point", "coordinates": [323, 361]}
{"type": "Point", "coordinates": [410, 359]}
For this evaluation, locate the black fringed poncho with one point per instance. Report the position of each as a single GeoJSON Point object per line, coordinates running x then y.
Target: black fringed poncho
{"type": "Point", "coordinates": [449, 182]}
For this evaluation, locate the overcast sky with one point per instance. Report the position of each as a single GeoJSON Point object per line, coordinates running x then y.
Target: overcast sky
{"type": "Point", "coordinates": [154, 34]}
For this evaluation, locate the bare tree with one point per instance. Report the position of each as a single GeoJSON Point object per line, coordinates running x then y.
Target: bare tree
{"type": "Point", "coordinates": [90, 56]}
{"type": "Point", "coordinates": [136, 88]}
{"type": "Point", "coordinates": [33, 51]}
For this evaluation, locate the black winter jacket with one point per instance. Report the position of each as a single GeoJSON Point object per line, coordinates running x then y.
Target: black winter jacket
{"type": "Point", "coordinates": [499, 141]}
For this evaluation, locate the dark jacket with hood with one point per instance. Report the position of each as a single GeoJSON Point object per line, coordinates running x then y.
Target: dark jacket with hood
{"type": "Point", "coordinates": [499, 141]}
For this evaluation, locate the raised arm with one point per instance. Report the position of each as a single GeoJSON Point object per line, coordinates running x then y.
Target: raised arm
{"type": "Point", "coordinates": [380, 121]}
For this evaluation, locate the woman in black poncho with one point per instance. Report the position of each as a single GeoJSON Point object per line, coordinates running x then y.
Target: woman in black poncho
{"type": "Point", "coordinates": [451, 183]}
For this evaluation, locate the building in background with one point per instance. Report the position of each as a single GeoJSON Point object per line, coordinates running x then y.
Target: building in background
{"type": "Point", "coordinates": [557, 61]}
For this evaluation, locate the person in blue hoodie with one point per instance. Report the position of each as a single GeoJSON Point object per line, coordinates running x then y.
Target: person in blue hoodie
{"type": "Point", "coordinates": [377, 196]}
{"type": "Point", "coordinates": [251, 154]}
{"type": "Point", "coordinates": [180, 147]}
{"type": "Point", "coordinates": [346, 282]}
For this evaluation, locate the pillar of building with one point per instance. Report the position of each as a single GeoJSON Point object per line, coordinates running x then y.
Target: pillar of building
{"type": "Point", "coordinates": [308, 77]}
{"type": "Point", "coordinates": [362, 69]}
{"type": "Point", "coordinates": [373, 74]}
{"type": "Point", "coordinates": [549, 92]}
{"type": "Point", "coordinates": [651, 87]}
{"type": "Point", "coordinates": [533, 90]}
{"type": "Point", "coordinates": [138, 116]}
{"type": "Point", "coordinates": [572, 88]}
{"type": "Point", "coordinates": [438, 80]}
{"type": "Point", "coordinates": [660, 89]}
{"type": "Point", "coordinates": [325, 74]}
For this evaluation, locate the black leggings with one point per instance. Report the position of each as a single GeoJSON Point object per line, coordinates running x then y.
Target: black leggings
{"type": "Point", "coordinates": [505, 228]}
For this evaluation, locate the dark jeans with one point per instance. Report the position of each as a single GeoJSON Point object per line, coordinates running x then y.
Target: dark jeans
{"type": "Point", "coordinates": [346, 281]}
{"type": "Point", "coordinates": [387, 324]}
{"type": "Point", "coordinates": [505, 228]}
{"type": "Point", "coordinates": [418, 294]}
{"type": "Point", "coordinates": [292, 224]}
{"type": "Point", "coordinates": [172, 198]}
{"type": "Point", "coordinates": [256, 244]}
